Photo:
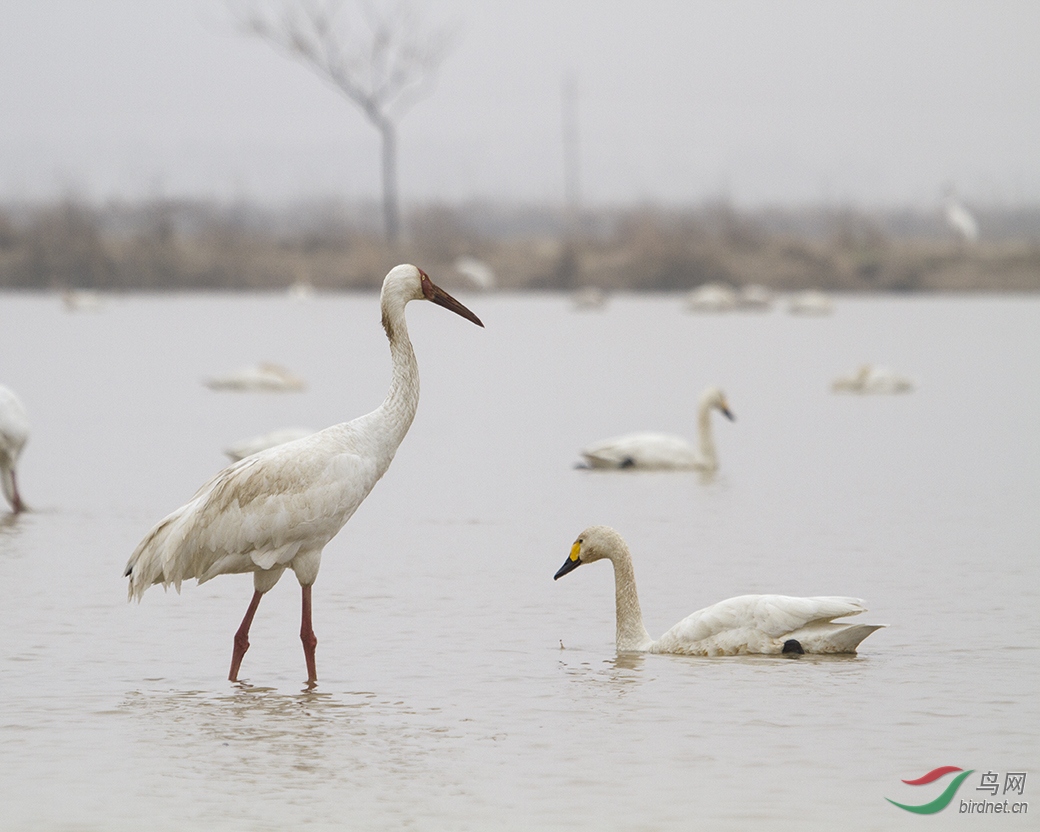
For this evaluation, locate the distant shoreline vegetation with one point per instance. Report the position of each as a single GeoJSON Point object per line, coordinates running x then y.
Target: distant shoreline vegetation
{"type": "Point", "coordinates": [179, 245]}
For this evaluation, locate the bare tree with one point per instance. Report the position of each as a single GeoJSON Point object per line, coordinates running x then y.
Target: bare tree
{"type": "Point", "coordinates": [381, 61]}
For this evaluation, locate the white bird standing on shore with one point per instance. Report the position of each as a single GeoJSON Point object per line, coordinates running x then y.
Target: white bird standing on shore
{"type": "Point", "coordinates": [745, 624]}
{"type": "Point", "coordinates": [14, 433]}
{"type": "Point", "coordinates": [660, 450]}
{"type": "Point", "coordinates": [277, 509]}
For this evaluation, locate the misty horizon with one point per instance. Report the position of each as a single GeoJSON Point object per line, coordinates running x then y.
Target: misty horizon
{"type": "Point", "coordinates": [756, 105]}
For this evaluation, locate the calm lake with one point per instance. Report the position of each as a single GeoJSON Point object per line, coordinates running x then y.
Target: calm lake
{"type": "Point", "coordinates": [460, 687]}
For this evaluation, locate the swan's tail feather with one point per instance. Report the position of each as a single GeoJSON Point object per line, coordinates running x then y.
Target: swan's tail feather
{"type": "Point", "coordinates": [833, 638]}
{"type": "Point", "coordinates": [848, 639]}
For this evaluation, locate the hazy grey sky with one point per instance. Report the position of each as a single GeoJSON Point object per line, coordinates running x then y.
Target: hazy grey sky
{"type": "Point", "coordinates": [876, 103]}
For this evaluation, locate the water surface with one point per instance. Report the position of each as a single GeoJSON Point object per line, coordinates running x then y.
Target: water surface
{"type": "Point", "coordinates": [460, 687]}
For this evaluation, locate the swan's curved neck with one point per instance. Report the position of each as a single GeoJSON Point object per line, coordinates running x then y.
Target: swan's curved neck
{"type": "Point", "coordinates": [707, 440]}
{"type": "Point", "coordinates": [402, 399]}
{"type": "Point", "coordinates": [631, 634]}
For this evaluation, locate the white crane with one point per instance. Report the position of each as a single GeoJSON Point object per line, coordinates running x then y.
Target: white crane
{"type": "Point", "coordinates": [14, 433]}
{"type": "Point", "coordinates": [661, 450]}
{"type": "Point", "coordinates": [745, 624]}
{"type": "Point", "coordinates": [277, 509]}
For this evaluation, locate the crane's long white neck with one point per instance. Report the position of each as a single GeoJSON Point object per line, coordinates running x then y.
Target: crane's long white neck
{"type": "Point", "coordinates": [402, 400]}
{"type": "Point", "coordinates": [631, 634]}
{"type": "Point", "coordinates": [707, 440]}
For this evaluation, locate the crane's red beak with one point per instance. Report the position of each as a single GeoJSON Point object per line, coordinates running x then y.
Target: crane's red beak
{"type": "Point", "coordinates": [442, 298]}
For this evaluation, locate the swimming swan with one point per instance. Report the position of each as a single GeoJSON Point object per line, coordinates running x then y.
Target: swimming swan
{"type": "Point", "coordinates": [255, 444]}
{"type": "Point", "coordinates": [872, 379]}
{"type": "Point", "coordinates": [745, 624]}
{"type": "Point", "coordinates": [659, 450]}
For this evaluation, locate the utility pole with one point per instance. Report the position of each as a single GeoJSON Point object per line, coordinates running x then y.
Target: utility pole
{"type": "Point", "coordinates": [571, 154]}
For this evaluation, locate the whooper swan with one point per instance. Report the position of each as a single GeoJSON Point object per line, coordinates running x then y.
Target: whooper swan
{"type": "Point", "coordinates": [660, 450]}
{"type": "Point", "coordinates": [745, 624]}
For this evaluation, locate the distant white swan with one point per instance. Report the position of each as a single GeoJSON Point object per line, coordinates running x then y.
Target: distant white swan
{"type": "Point", "coordinates": [589, 297]}
{"type": "Point", "coordinates": [872, 379]}
{"type": "Point", "coordinates": [81, 300]}
{"type": "Point", "coordinates": [745, 624]}
{"type": "Point", "coordinates": [711, 297]}
{"type": "Point", "coordinates": [660, 450]}
{"type": "Point", "coordinates": [255, 444]}
{"type": "Point", "coordinates": [14, 433]}
{"type": "Point", "coordinates": [265, 378]}
{"type": "Point", "coordinates": [810, 302]}
{"type": "Point", "coordinates": [755, 298]}
{"type": "Point", "coordinates": [301, 290]}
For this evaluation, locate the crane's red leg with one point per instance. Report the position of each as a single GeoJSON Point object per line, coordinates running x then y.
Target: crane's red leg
{"type": "Point", "coordinates": [242, 636]}
{"type": "Point", "coordinates": [308, 638]}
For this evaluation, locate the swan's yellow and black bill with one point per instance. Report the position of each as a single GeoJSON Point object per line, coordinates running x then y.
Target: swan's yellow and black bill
{"type": "Point", "coordinates": [724, 407]}
{"type": "Point", "coordinates": [442, 298]}
{"type": "Point", "coordinates": [572, 562]}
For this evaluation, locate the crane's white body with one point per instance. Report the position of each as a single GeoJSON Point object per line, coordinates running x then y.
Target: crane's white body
{"type": "Point", "coordinates": [255, 444]}
{"type": "Point", "coordinates": [663, 451]}
{"type": "Point", "coordinates": [270, 511]}
{"type": "Point", "coordinates": [745, 624]}
{"type": "Point", "coordinates": [872, 379]}
{"type": "Point", "coordinates": [14, 433]}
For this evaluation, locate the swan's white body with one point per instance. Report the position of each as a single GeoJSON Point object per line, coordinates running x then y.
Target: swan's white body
{"type": "Point", "coordinates": [872, 379]}
{"type": "Point", "coordinates": [711, 297]}
{"type": "Point", "coordinates": [81, 300]}
{"type": "Point", "coordinates": [811, 302]}
{"type": "Point", "coordinates": [277, 509]}
{"type": "Point", "coordinates": [662, 451]}
{"type": "Point", "coordinates": [14, 433]}
{"type": "Point", "coordinates": [589, 298]}
{"type": "Point", "coordinates": [255, 444]}
{"type": "Point", "coordinates": [301, 290]}
{"type": "Point", "coordinates": [263, 378]}
{"type": "Point", "coordinates": [755, 298]}
{"type": "Point", "coordinates": [745, 624]}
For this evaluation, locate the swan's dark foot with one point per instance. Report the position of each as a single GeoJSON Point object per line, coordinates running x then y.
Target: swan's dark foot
{"type": "Point", "coordinates": [793, 646]}
{"type": "Point", "coordinates": [627, 462]}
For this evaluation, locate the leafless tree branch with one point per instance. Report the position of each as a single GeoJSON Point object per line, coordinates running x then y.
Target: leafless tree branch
{"type": "Point", "coordinates": [380, 59]}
